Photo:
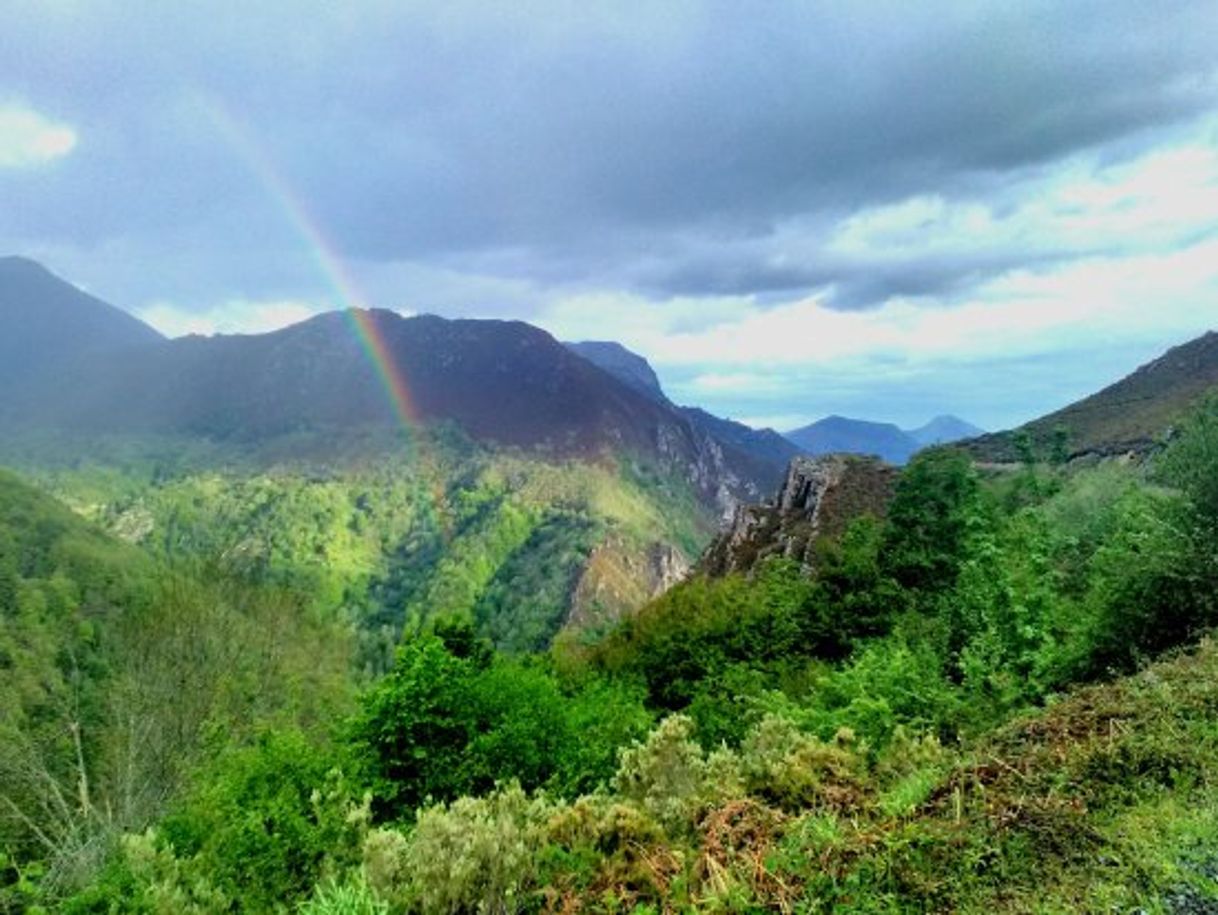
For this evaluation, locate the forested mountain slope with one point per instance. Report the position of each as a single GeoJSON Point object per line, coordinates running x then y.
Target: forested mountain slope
{"type": "Point", "coordinates": [398, 467]}
{"type": "Point", "coordinates": [118, 677]}
{"type": "Point", "coordinates": [943, 714]}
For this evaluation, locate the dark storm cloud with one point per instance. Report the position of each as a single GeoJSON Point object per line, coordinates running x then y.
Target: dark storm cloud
{"type": "Point", "coordinates": [565, 143]}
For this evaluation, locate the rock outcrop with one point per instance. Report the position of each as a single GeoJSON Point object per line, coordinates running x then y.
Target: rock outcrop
{"type": "Point", "coordinates": [619, 577]}
{"type": "Point", "coordinates": [819, 498]}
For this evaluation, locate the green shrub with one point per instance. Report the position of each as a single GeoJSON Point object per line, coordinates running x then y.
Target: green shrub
{"type": "Point", "coordinates": [795, 770]}
{"type": "Point", "coordinates": [473, 855]}
{"type": "Point", "coordinates": [934, 509]}
{"type": "Point", "coordinates": [266, 823]}
{"type": "Point", "coordinates": [352, 898]}
{"type": "Point", "coordinates": [670, 777]}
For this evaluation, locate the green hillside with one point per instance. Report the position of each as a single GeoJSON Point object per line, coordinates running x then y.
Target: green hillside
{"type": "Point", "coordinates": [120, 677]}
{"type": "Point", "coordinates": [961, 711]}
{"type": "Point", "coordinates": [384, 533]}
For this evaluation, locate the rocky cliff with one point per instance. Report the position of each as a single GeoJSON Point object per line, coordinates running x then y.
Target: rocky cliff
{"type": "Point", "coordinates": [818, 498]}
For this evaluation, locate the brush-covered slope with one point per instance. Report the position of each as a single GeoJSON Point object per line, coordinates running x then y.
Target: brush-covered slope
{"type": "Point", "coordinates": [47, 325]}
{"type": "Point", "coordinates": [1130, 415]}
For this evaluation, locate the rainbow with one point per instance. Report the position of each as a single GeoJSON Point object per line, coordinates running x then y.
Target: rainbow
{"type": "Point", "coordinates": [324, 253]}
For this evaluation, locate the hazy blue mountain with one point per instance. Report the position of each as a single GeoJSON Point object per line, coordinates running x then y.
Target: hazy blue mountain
{"type": "Point", "coordinates": [47, 323]}
{"type": "Point", "coordinates": [626, 366]}
{"type": "Point", "coordinates": [944, 429]}
{"type": "Point", "coordinates": [840, 434]}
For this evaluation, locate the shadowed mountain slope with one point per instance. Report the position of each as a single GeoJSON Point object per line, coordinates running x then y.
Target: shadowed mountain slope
{"type": "Point", "coordinates": [762, 454]}
{"type": "Point", "coordinates": [47, 324]}
{"type": "Point", "coordinates": [503, 382]}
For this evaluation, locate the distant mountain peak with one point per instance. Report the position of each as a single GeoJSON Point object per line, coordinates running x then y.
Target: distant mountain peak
{"type": "Point", "coordinates": [837, 434]}
{"type": "Point", "coordinates": [847, 435]}
{"type": "Point", "coordinates": [9, 262]}
{"type": "Point", "coordinates": [943, 429]}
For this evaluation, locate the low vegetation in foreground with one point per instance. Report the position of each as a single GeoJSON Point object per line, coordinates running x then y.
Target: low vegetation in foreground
{"type": "Point", "coordinates": [999, 698]}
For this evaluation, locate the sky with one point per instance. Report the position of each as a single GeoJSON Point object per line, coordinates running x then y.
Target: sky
{"type": "Point", "coordinates": [878, 209]}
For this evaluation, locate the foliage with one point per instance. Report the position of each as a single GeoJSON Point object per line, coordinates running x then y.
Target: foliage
{"type": "Point", "coordinates": [446, 722]}
{"type": "Point", "coordinates": [475, 855]}
{"type": "Point", "coordinates": [335, 898]}
{"type": "Point", "coordinates": [670, 777]}
{"type": "Point", "coordinates": [265, 821]}
{"type": "Point", "coordinates": [916, 725]}
{"type": "Point", "coordinates": [933, 511]}
{"type": "Point", "coordinates": [385, 533]}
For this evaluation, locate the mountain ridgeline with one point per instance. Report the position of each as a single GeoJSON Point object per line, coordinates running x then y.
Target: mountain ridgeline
{"type": "Point", "coordinates": [842, 435]}
{"type": "Point", "coordinates": [529, 488]}
{"type": "Point", "coordinates": [1132, 415]}
{"type": "Point", "coordinates": [85, 365]}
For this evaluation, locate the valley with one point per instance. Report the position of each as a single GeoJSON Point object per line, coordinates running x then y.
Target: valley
{"type": "Point", "coordinates": [267, 643]}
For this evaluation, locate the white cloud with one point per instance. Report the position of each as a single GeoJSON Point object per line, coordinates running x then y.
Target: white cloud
{"type": "Point", "coordinates": [27, 138]}
{"type": "Point", "coordinates": [1084, 205]}
{"type": "Point", "coordinates": [234, 317]}
{"type": "Point", "coordinates": [1015, 346]}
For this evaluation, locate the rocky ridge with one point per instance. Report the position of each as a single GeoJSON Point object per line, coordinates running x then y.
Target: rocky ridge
{"type": "Point", "coordinates": [819, 498]}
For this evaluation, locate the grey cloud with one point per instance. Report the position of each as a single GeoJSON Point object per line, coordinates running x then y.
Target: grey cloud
{"type": "Point", "coordinates": [565, 144]}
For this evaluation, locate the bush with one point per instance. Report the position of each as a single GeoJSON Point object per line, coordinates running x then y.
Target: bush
{"type": "Point", "coordinates": [267, 823]}
{"type": "Point", "coordinates": [782, 764]}
{"type": "Point", "coordinates": [474, 855]}
{"type": "Point", "coordinates": [449, 720]}
{"type": "Point", "coordinates": [353, 898]}
{"type": "Point", "coordinates": [670, 777]}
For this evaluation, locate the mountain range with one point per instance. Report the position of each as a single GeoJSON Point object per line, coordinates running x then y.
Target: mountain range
{"type": "Point", "coordinates": [530, 488]}
{"type": "Point", "coordinates": [840, 434]}
{"type": "Point", "coordinates": [77, 363]}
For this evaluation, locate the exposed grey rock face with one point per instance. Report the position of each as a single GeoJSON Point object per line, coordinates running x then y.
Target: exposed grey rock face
{"type": "Point", "coordinates": [668, 568]}
{"type": "Point", "coordinates": [819, 497]}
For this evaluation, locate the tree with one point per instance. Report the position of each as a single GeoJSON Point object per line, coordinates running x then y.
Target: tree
{"type": "Point", "coordinates": [1025, 447]}
{"type": "Point", "coordinates": [1190, 464]}
{"type": "Point", "coordinates": [937, 500]}
{"type": "Point", "coordinates": [1059, 446]}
